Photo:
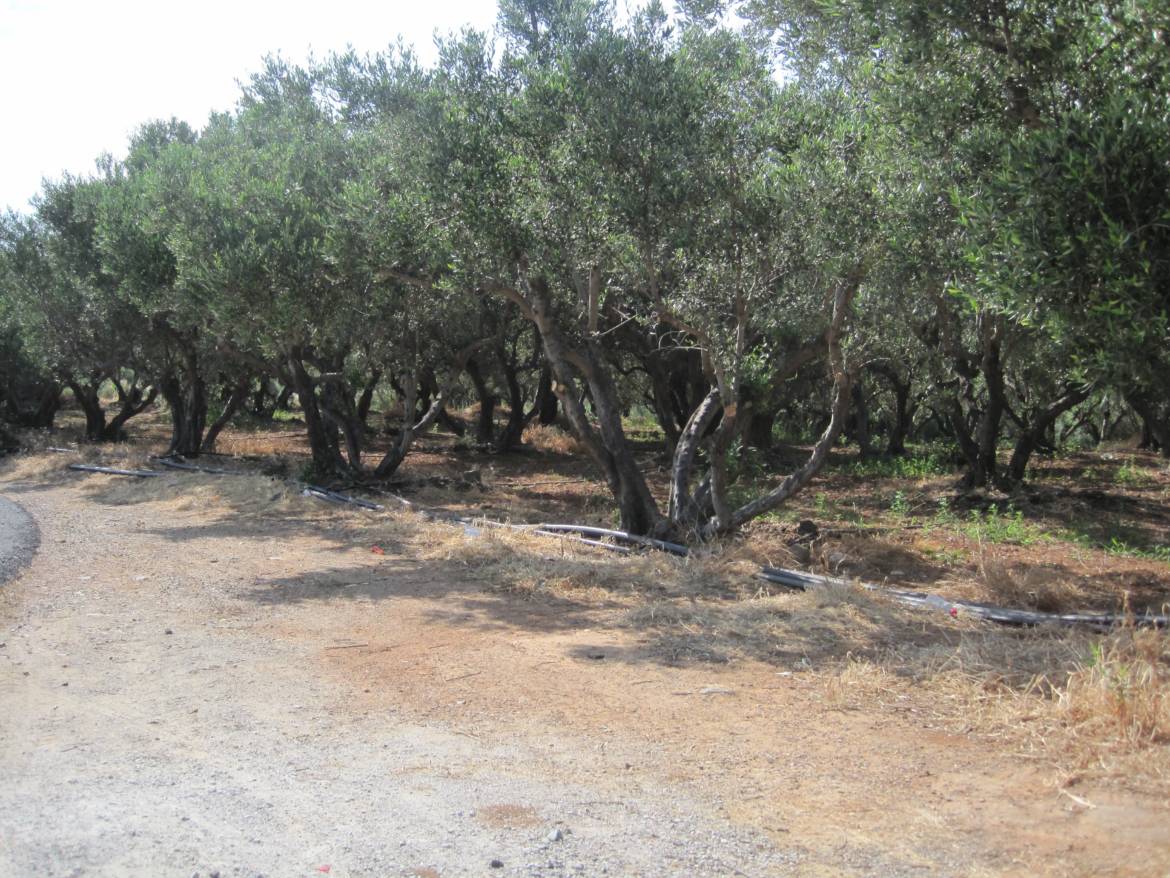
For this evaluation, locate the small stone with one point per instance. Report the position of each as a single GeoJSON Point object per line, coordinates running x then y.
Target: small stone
{"type": "Point", "coordinates": [555, 835]}
{"type": "Point", "coordinates": [716, 690]}
{"type": "Point", "coordinates": [168, 631]}
{"type": "Point", "coordinates": [496, 864]}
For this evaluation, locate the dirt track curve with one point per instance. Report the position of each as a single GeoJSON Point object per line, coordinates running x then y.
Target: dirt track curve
{"type": "Point", "coordinates": [188, 693]}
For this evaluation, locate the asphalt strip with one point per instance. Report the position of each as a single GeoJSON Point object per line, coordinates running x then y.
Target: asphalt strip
{"type": "Point", "coordinates": [19, 538]}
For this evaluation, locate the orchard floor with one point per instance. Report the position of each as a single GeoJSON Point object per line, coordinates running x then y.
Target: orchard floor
{"type": "Point", "coordinates": [196, 681]}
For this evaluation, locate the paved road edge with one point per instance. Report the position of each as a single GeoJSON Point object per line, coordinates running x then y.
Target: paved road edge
{"type": "Point", "coordinates": [19, 539]}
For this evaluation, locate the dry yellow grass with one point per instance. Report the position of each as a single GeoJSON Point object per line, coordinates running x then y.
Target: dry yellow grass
{"type": "Point", "coordinates": [1090, 705]}
{"type": "Point", "coordinates": [1034, 587]}
{"type": "Point", "coordinates": [528, 564]}
{"type": "Point", "coordinates": [552, 439]}
{"type": "Point", "coordinates": [1119, 694]}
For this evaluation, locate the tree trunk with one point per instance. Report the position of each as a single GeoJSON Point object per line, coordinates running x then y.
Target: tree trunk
{"type": "Point", "coordinates": [132, 402]}
{"type": "Point", "coordinates": [485, 425]}
{"type": "Point", "coordinates": [86, 396]}
{"type": "Point", "coordinates": [42, 416]}
{"type": "Point", "coordinates": [428, 390]}
{"type": "Point", "coordinates": [986, 470]}
{"type": "Point", "coordinates": [367, 397]}
{"type": "Point", "coordinates": [662, 397]}
{"type": "Point", "coordinates": [1031, 438]}
{"type": "Point", "coordinates": [607, 444]}
{"type": "Point", "coordinates": [547, 404]}
{"type": "Point", "coordinates": [188, 406]}
{"type": "Point", "coordinates": [861, 431]}
{"type": "Point", "coordinates": [509, 437]}
{"type": "Point", "coordinates": [729, 521]}
{"type": "Point", "coordinates": [1155, 424]}
{"type": "Point", "coordinates": [639, 513]}
{"type": "Point", "coordinates": [758, 433]}
{"type": "Point", "coordinates": [37, 414]}
{"type": "Point", "coordinates": [326, 454]}
{"type": "Point", "coordinates": [335, 400]}
{"type": "Point", "coordinates": [903, 415]}
{"type": "Point", "coordinates": [410, 428]}
{"type": "Point", "coordinates": [686, 512]}
{"type": "Point", "coordinates": [234, 403]}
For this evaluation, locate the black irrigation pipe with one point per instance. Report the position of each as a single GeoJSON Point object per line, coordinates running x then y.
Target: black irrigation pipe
{"type": "Point", "coordinates": [111, 471]}
{"type": "Point", "coordinates": [793, 579]}
{"type": "Point", "coordinates": [471, 525]}
{"type": "Point", "coordinates": [191, 468]}
{"type": "Point", "coordinates": [661, 545]}
{"type": "Point", "coordinates": [341, 499]}
{"type": "Point", "coordinates": [1003, 615]}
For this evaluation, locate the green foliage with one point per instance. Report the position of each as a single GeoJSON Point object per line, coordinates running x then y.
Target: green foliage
{"type": "Point", "coordinates": [1130, 475]}
{"type": "Point", "coordinates": [899, 505]}
{"type": "Point", "coordinates": [925, 464]}
{"type": "Point", "coordinates": [991, 179]}
{"type": "Point", "coordinates": [1007, 526]}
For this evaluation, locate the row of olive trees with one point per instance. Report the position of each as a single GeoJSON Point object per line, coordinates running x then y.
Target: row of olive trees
{"type": "Point", "coordinates": [584, 215]}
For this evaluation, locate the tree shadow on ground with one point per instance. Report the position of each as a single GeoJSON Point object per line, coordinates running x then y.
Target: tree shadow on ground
{"type": "Point", "coordinates": [626, 625]}
{"type": "Point", "coordinates": [673, 613]}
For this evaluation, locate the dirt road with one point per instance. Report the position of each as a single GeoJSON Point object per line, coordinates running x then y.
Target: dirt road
{"type": "Point", "coordinates": [194, 692]}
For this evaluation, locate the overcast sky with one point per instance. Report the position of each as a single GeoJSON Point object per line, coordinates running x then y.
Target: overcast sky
{"type": "Point", "coordinates": [79, 77]}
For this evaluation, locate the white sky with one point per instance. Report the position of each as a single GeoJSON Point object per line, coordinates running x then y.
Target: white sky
{"type": "Point", "coordinates": [79, 77]}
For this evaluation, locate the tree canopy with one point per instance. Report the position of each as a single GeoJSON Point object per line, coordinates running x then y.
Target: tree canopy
{"type": "Point", "coordinates": [855, 218]}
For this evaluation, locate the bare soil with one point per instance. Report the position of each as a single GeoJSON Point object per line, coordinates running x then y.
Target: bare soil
{"type": "Point", "coordinates": [197, 677]}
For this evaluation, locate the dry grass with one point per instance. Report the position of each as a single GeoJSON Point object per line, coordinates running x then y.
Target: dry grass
{"type": "Point", "coordinates": [1031, 587]}
{"type": "Point", "coordinates": [263, 442]}
{"type": "Point", "coordinates": [1090, 705]}
{"type": "Point", "coordinates": [552, 439]}
{"type": "Point", "coordinates": [527, 565]}
{"type": "Point", "coordinates": [802, 631]}
{"type": "Point", "coordinates": [1119, 694]}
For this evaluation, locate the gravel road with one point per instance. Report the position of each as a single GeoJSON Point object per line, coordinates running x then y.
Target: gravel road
{"type": "Point", "coordinates": [149, 729]}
